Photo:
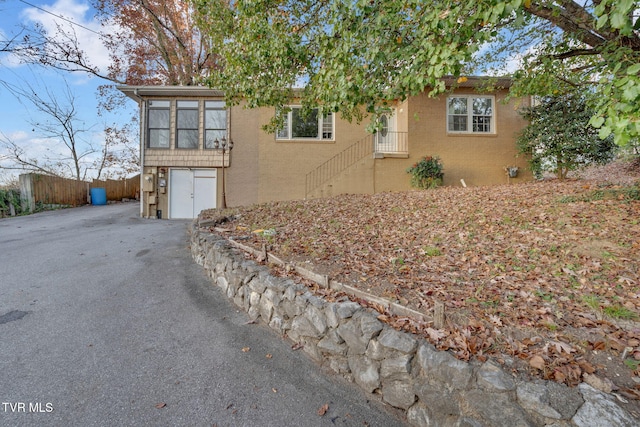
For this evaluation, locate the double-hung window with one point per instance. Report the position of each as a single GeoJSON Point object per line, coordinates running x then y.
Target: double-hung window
{"type": "Point", "coordinates": [158, 122]}
{"type": "Point", "coordinates": [314, 125]}
{"type": "Point", "coordinates": [215, 122]}
{"type": "Point", "coordinates": [470, 114]}
{"type": "Point", "coordinates": [187, 120]}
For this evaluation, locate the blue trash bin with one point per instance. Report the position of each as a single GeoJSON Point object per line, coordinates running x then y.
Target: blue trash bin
{"type": "Point", "coordinates": [98, 196]}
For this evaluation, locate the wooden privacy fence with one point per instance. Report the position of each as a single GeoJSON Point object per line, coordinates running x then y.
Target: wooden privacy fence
{"type": "Point", "coordinates": [119, 189]}
{"type": "Point", "coordinates": [42, 190]}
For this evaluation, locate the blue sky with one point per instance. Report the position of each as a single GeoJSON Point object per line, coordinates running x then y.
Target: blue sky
{"type": "Point", "coordinates": [15, 117]}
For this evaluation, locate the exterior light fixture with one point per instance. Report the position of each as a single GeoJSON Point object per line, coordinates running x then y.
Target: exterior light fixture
{"type": "Point", "coordinates": [225, 147]}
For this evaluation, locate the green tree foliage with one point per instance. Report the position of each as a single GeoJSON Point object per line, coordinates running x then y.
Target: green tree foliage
{"type": "Point", "coordinates": [356, 56]}
{"type": "Point", "coordinates": [558, 138]}
{"type": "Point", "coordinates": [9, 197]}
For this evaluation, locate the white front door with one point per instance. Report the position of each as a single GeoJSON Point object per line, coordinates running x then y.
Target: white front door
{"type": "Point", "coordinates": [191, 191]}
{"type": "Point", "coordinates": [386, 137]}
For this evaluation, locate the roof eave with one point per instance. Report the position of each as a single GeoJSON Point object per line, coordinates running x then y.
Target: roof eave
{"type": "Point", "coordinates": [138, 92]}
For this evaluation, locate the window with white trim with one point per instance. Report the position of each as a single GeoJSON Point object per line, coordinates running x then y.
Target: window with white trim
{"type": "Point", "coordinates": [313, 126]}
{"type": "Point", "coordinates": [470, 114]}
{"type": "Point", "coordinates": [158, 123]}
{"type": "Point", "coordinates": [187, 124]}
{"type": "Point", "coordinates": [215, 122]}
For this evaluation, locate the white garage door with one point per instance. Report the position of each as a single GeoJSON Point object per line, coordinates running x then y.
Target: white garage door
{"type": "Point", "coordinates": [191, 191]}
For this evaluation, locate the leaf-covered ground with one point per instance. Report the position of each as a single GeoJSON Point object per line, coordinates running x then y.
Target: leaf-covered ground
{"type": "Point", "coordinates": [543, 276]}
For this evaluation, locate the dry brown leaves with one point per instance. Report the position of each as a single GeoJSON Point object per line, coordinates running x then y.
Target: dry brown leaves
{"type": "Point", "coordinates": [542, 272]}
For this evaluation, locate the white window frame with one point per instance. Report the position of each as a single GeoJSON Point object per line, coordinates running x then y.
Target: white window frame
{"type": "Point", "coordinates": [164, 128]}
{"type": "Point", "coordinates": [219, 106]}
{"type": "Point", "coordinates": [192, 106]}
{"type": "Point", "coordinates": [470, 115]}
{"type": "Point", "coordinates": [326, 126]}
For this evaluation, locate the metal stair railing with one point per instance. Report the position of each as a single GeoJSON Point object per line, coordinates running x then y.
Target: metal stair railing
{"type": "Point", "coordinates": [339, 163]}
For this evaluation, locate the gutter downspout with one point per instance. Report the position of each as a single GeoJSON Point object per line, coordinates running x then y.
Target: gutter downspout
{"type": "Point", "coordinates": [142, 144]}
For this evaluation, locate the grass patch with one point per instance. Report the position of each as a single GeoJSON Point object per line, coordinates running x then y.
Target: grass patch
{"type": "Point", "coordinates": [619, 312]}
{"type": "Point", "coordinates": [592, 301]}
{"type": "Point", "coordinates": [544, 295]}
{"type": "Point", "coordinates": [431, 251]}
{"type": "Point", "coordinates": [628, 193]}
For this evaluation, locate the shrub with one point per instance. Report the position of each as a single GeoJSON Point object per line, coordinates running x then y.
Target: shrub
{"type": "Point", "coordinates": [427, 173]}
{"type": "Point", "coordinates": [9, 197]}
{"type": "Point", "coordinates": [559, 138]}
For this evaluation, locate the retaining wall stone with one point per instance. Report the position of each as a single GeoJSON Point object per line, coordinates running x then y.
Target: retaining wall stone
{"type": "Point", "coordinates": [433, 387]}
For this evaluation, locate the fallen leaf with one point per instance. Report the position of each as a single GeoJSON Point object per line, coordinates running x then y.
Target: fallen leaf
{"type": "Point", "coordinates": [323, 409]}
{"type": "Point", "coordinates": [630, 393]}
{"type": "Point", "coordinates": [435, 334]}
{"type": "Point", "coordinates": [586, 366]}
{"type": "Point", "coordinates": [495, 320]}
{"type": "Point", "coordinates": [269, 356]}
{"type": "Point", "coordinates": [602, 384]}
{"type": "Point", "coordinates": [161, 405]}
{"type": "Point", "coordinates": [537, 362]}
{"type": "Point", "coordinates": [560, 347]}
{"type": "Point", "coordinates": [297, 346]}
{"type": "Point", "coordinates": [246, 349]}
{"type": "Point", "coordinates": [559, 376]}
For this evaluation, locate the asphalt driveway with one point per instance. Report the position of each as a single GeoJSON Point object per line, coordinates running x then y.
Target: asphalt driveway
{"type": "Point", "coordinates": [106, 320]}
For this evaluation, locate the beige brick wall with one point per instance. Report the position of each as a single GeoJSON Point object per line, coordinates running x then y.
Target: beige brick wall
{"type": "Point", "coordinates": [478, 159]}
{"type": "Point", "coordinates": [283, 165]}
{"type": "Point", "coordinates": [243, 175]}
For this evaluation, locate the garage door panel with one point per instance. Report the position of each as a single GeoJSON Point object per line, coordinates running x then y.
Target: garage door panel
{"type": "Point", "coordinates": [191, 191]}
{"type": "Point", "coordinates": [204, 194]}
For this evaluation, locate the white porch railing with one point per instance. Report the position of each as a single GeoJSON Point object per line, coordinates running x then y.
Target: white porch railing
{"type": "Point", "coordinates": [391, 143]}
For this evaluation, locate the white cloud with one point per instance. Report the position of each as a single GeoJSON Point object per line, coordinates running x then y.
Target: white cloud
{"type": "Point", "coordinates": [36, 146]}
{"type": "Point", "coordinates": [514, 62]}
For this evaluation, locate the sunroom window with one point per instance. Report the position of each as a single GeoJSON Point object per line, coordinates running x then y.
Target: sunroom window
{"type": "Point", "coordinates": [187, 124]}
{"type": "Point", "coordinates": [158, 122]}
{"type": "Point", "coordinates": [312, 125]}
{"type": "Point", "coordinates": [215, 122]}
{"type": "Point", "coordinates": [470, 114]}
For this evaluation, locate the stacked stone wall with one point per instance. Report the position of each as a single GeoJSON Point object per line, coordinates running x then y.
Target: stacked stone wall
{"type": "Point", "coordinates": [433, 387]}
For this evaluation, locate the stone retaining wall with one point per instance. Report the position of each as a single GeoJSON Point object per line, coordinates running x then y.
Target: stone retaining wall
{"type": "Point", "coordinates": [433, 387]}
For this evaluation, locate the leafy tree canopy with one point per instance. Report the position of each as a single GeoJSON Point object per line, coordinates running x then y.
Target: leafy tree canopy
{"type": "Point", "coordinates": [149, 42]}
{"type": "Point", "coordinates": [157, 42]}
{"type": "Point", "coordinates": [350, 54]}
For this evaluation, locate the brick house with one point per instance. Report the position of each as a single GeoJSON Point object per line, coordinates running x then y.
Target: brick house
{"type": "Point", "coordinates": [185, 168]}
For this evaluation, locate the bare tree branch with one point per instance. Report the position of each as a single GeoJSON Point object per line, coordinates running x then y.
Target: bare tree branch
{"type": "Point", "coordinates": [61, 124]}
